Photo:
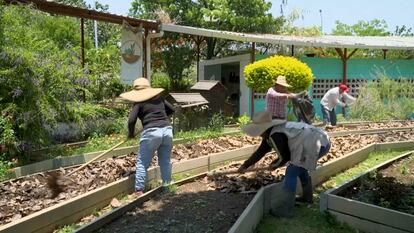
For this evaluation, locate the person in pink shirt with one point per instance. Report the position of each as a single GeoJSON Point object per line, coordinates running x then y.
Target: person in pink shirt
{"type": "Point", "coordinates": [277, 98]}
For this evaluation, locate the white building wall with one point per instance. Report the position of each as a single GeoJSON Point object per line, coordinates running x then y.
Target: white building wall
{"type": "Point", "coordinates": [245, 92]}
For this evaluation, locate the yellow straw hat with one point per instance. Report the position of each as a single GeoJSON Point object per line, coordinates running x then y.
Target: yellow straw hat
{"type": "Point", "coordinates": [261, 122]}
{"type": "Point", "coordinates": [142, 91]}
{"type": "Point", "coordinates": [281, 80]}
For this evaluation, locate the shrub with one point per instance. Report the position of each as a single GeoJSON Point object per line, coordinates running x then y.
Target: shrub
{"type": "Point", "coordinates": [161, 80]}
{"type": "Point", "coordinates": [261, 75]}
{"type": "Point", "coordinates": [384, 99]}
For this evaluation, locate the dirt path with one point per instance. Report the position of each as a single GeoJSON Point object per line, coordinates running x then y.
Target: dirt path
{"type": "Point", "coordinates": [193, 208]}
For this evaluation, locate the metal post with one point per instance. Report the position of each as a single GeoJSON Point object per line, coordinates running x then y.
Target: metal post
{"type": "Point", "coordinates": [385, 53]}
{"type": "Point", "coordinates": [198, 42]}
{"type": "Point", "coordinates": [83, 53]}
{"type": "Point", "coordinates": [253, 59]}
{"type": "Point", "coordinates": [82, 44]}
{"type": "Point", "coordinates": [344, 61]}
{"type": "Point", "coordinates": [144, 60]}
{"type": "Point", "coordinates": [95, 27]}
{"type": "Point", "coordinates": [292, 52]}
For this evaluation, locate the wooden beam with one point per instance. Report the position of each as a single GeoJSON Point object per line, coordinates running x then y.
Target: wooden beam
{"type": "Point", "coordinates": [352, 53]}
{"type": "Point", "coordinates": [62, 9]}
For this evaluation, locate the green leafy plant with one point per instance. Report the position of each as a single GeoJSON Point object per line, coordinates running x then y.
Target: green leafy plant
{"type": "Point", "coordinates": [384, 99]}
{"type": "Point", "coordinates": [243, 120]}
{"type": "Point", "coordinates": [261, 75]}
{"type": "Point", "coordinates": [161, 80]}
{"type": "Point", "coordinates": [216, 122]}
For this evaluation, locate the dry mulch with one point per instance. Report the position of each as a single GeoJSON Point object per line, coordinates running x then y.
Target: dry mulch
{"type": "Point", "coordinates": [27, 195]}
{"type": "Point", "coordinates": [381, 125]}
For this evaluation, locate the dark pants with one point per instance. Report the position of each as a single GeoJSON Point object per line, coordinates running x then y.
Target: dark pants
{"type": "Point", "coordinates": [292, 172]}
{"type": "Point", "coordinates": [329, 117]}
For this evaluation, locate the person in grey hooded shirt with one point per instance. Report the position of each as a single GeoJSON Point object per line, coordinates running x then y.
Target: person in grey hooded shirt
{"type": "Point", "coordinates": [298, 143]}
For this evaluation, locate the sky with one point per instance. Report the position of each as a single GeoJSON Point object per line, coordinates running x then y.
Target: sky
{"type": "Point", "coordinates": [324, 12]}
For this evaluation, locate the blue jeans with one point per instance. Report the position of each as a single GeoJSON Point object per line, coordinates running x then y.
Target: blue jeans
{"type": "Point", "coordinates": [151, 140]}
{"type": "Point", "coordinates": [293, 171]}
{"type": "Point", "coordinates": [329, 117]}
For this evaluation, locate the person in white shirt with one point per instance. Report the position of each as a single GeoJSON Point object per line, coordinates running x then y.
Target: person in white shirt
{"type": "Point", "coordinates": [329, 102]}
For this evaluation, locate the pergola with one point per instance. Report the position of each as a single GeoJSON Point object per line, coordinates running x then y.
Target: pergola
{"type": "Point", "coordinates": [340, 43]}
{"type": "Point", "coordinates": [155, 29]}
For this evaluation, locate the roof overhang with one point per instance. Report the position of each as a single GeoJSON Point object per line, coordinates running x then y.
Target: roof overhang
{"type": "Point", "coordinates": [62, 9]}
{"type": "Point", "coordinates": [357, 42]}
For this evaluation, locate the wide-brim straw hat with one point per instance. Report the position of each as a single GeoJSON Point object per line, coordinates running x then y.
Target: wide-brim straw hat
{"type": "Point", "coordinates": [281, 80]}
{"type": "Point", "coordinates": [261, 122]}
{"type": "Point", "coordinates": [142, 91]}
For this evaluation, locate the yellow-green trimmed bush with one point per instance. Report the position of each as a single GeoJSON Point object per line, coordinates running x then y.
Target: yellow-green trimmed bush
{"type": "Point", "coordinates": [261, 75]}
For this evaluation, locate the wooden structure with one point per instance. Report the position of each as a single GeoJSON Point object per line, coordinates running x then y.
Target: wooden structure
{"type": "Point", "coordinates": [214, 92]}
{"type": "Point", "coordinates": [363, 216]}
{"type": "Point", "coordinates": [189, 111]}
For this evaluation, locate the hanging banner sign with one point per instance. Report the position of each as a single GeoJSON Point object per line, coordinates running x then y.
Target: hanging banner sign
{"type": "Point", "coordinates": [131, 53]}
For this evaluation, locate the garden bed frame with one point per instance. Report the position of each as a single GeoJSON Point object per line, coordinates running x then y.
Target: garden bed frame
{"type": "Point", "coordinates": [363, 216]}
{"type": "Point", "coordinates": [269, 195]}
{"type": "Point", "coordinates": [75, 160]}
{"type": "Point", "coordinates": [74, 209]}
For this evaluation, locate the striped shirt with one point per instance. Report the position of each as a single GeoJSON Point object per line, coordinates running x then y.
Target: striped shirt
{"type": "Point", "coordinates": [276, 103]}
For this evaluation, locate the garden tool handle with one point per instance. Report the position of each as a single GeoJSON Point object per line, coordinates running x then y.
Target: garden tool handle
{"type": "Point", "coordinates": [97, 157]}
{"type": "Point", "coordinates": [236, 171]}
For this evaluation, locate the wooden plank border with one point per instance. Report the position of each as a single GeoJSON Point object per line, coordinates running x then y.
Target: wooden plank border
{"type": "Point", "coordinates": [75, 160]}
{"type": "Point", "coordinates": [72, 210]}
{"type": "Point", "coordinates": [364, 225]}
{"type": "Point", "coordinates": [351, 210]}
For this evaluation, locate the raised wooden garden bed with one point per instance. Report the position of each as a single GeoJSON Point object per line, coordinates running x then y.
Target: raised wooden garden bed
{"type": "Point", "coordinates": [66, 210]}
{"type": "Point", "coordinates": [260, 204]}
{"type": "Point", "coordinates": [380, 200]}
{"type": "Point", "coordinates": [268, 195]}
{"type": "Point", "coordinates": [73, 209]}
{"type": "Point", "coordinates": [50, 164]}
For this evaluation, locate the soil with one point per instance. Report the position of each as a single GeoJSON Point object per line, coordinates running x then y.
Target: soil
{"type": "Point", "coordinates": [193, 208]}
{"type": "Point", "coordinates": [380, 125]}
{"type": "Point", "coordinates": [26, 195]}
{"type": "Point", "coordinates": [391, 187]}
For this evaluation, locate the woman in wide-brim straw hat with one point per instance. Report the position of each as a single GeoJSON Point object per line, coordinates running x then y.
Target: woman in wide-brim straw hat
{"type": "Point", "coordinates": [277, 98]}
{"type": "Point", "coordinates": [153, 111]}
{"type": "Point", "coordinates": [297, 142]}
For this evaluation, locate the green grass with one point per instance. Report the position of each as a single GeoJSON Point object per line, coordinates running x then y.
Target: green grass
{"type": "Point", "coordinates": [181, 176]}
{"type": "Point", "coordinates": [373, 159]}
{"type": "Point", "coordinates": [308, 219]}
{"type": "Point", "coordinates": [66, 229]}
